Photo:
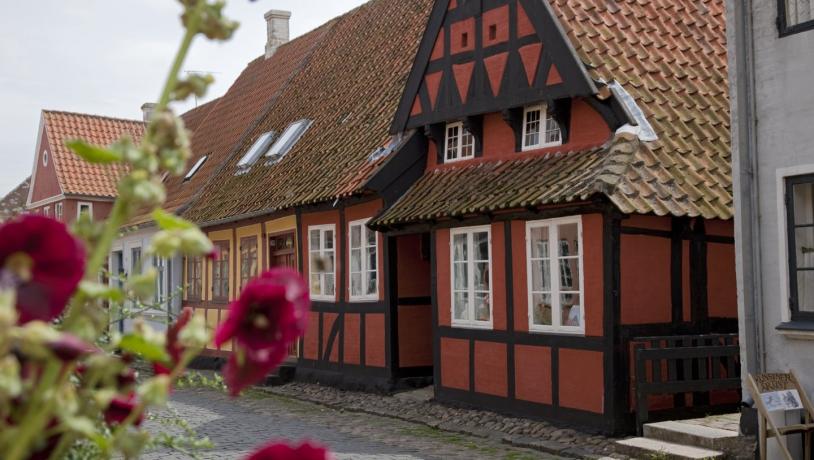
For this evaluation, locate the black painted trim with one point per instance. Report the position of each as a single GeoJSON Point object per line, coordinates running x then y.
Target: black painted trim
{"type": "Point", "coordinates": [414, 301]}
{"type": "Point", "coordinates": [524, 338]}
{"type": "Point", "coordinates": [783, 29]}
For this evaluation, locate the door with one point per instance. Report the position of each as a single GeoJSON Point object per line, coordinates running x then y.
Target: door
{"type": "Point", "coordinates": [283, 253]}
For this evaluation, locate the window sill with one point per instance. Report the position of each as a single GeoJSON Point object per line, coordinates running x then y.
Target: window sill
{"type": "Point", "coordinates": [483, 326]}
{"type": "Point", "coordinates": [364, 299]}
{"type": "Point", "coordinates": [552, 331]}
{"type": "Point", "coordinates": [801, 330]}
{"type": "Point", "coordinates": [331, 299]}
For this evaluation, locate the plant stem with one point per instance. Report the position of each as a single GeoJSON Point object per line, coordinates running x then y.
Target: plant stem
{"type": "Point", "coordinates": [37, 414]}
{"type": "Point", "coordinates": [192, 30]}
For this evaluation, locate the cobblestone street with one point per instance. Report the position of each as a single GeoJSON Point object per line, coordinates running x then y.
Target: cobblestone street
{"type": "Point", "coordinates": [236, 426]}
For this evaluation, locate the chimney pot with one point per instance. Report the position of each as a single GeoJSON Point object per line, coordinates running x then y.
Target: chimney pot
{"type": "Point", "coordinates": [277, 24]}
{"type": "Point", "coordinates": [147, 110]}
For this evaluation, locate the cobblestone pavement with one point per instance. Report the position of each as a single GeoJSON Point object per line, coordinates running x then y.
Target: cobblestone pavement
{"type": "Point", "coordinates": [236, 426]}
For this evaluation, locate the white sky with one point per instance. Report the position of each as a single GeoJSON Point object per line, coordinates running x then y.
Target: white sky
{"type": "Point", "coordinates": [108, 57]}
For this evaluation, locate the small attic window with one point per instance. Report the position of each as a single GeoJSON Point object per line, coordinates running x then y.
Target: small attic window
{"type": "Point", "coordinates": [194, 169]}
{"type": "Point", "coordinates": [260, 146]}
{"type": "Point", "coordinates": [45, 157]}
{"type": "Point", "coordinates": [382, 152]}
{"type": "Point", "coordinates": [286, 141]}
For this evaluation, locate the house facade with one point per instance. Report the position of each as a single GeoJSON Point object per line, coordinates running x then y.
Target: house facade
{"type": "Point", "coordinates": [505, 201]}
{"type": "Point", "coordinates": [770, 43]}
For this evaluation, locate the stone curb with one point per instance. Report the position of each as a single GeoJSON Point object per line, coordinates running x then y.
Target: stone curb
{"type": "Point", "coordinates": [550, 447]}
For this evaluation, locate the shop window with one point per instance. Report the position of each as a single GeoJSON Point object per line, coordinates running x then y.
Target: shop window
{"type": "Point", "coordinates": [540, 129]}
{"type": "Point", "coordinates": [364, 279]}
{"type": "Point", "coordinates": [84, 209]}
{"type": "Point", "coordinates": [460, 143]}
{"type": "Point", "coordinates": [322, 258]}
{"type": "Point", "coordinates": [248, 260]}
{"type": "Point", "coordinates": [555, 275]}
{"type": "Point", "coordinates": [220, 272]}
{"type": "Point", "coordinates": [800, 229]}
{"type": "Point", "coordinates": [471, 276]}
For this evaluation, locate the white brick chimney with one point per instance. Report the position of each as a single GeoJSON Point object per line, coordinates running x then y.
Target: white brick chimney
{"type": "Point", "coordinates": [278, 35]}
{"type": "Point", "coordinates": [147, 109]}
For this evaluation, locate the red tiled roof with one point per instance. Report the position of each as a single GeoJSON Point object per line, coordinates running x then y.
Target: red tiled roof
{"type": "Point", "coordinates": [194, 117]}
{"type": "Point", "coordinates": [77, 177]}
{"type": "Point", "coordinates": [350, 89]}
{"type": "Point", "coordinates": [14, 202]}
{"type": "Point", "coordinates": [232, 118]}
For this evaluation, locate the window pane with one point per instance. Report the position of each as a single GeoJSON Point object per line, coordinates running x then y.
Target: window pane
{"type": "Point", "coordinates": [569, 240]}
{"type": "Point", "coordinates": [315, 286]}
{"type": "Point", "coordinates": [317, 263]}
{"type": "Point", "coordinates": [371, 237]}
{"type": "Point", "coordinates": [355, 236]}
{"type": "Point", "coordinates": [803, 204]}
{"type": "Point", "coordinates": [329, 284]}
{"type": "Point", "coordinates": [481, 276]}
{"type": "Point", "coordinates": [540, 275]}
{"type": "Point", "coordinates": [461, 307]}
{"type": "Point", "coordinates": [329, 239]}
{"type": "Point", "coordinates": [328, 260]}
{"type": "Point", "coordinates": [467, 144]}
{"type": "Point", "coordinates": [371, 283]}
{"type": "Point", "coordinates": [371, 258]}
{"type": "Point", "coordinates": [541, 309]}
{"type": "Point", "coordinates": [569, 274]}
{"type": "Point", "coordinates": [482, 309]}
{"type": "Point", "coordinates": [314, 240]}
{"type": "Point", "coordinates": [570, 309]}
{"type": "Point", "coordinates": [552, 131]}
{"type": "Point", "coordinates": [459, 245]}
{"type": "Point", "coordinates": [461, 281]}
{"type": "Point", "coordinates": [804, 240]}
{"type": "Point", "coordinates": [356, 260]}
{"type": "Point", "coordinates": [356, 284]}
{"type": "Point", "coordinates": [481, 242]}
{"type": "Point", "coordinates": [805, 290]}
{"type": "Point", "coordinates": [539, 242]}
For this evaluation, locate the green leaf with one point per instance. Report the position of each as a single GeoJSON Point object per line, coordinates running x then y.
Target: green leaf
{"type": "Point", "coordinates": [101, 291]}
{"type": "Point", "coordinates": [138, 345]}
{"type": "Point", "coordinates": [167, 221]}
{"type": "Point", "coordinates": [93, 154]}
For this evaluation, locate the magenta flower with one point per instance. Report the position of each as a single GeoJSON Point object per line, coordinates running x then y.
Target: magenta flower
{"type": "Point", "coordinates": [69, 348]}
{"type": "Point", "coordinates": [120, 408]}
{"type": "Point", "coordinates": [270, 315]}
{"type": "Point", "coordinates": [283, 451]}
{"type": "Point", "coordinates": [43, 262]}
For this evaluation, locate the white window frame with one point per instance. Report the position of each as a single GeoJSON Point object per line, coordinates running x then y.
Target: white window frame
{"type": "Point", "coordinates": [554, 271]}
{"type": "Point", "coordinates": [322, 250]}
{"type": "Point", "coordinates": [46, 211]}
{"type": "Point", "coordinates": [781, 174]}
{"type": "Point", "coordinates": [285, 143]}
{"type": "Point", "coordinates": [194, 169]}
{"type": "Point", "coordinates": [79, 206]}
{"type": "Point", "coordinates": [260, 147]}
{"type": "Point", "coordinates": [58, 211]}
{"type": "Point", "coordinates": [544, 117]}
{"type": "Point", "coordinates": [471, 323]}
{"type": "Point", "coordinates": [459, 147]}
{"type": "Point", "coordinates": [365, 270]}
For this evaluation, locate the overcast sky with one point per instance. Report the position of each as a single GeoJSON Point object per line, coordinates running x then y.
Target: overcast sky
{"type": "Point", "coordinates": [108, 57]}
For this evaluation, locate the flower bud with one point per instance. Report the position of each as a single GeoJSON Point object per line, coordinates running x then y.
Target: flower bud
{"type": "Point", "coordinates": [10, 384]}
{"type": "Point", "coordinates": [154, 392]}
{"type": "Point", "coordinates": [69, 348]}
{"type": "Point", "coordinates": [165, 244]}
{"type": "Point", "coordinates": [142, 286]}
{"type": "Point", "coordinates": [194, 336]}
{"type": "Point", "coordinates": [34, 338]}
{"type": "Point", "coordinates": [195, 243]}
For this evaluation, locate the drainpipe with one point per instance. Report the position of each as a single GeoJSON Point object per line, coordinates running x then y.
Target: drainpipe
{"type": "Point", "coordinates": [746, 187]}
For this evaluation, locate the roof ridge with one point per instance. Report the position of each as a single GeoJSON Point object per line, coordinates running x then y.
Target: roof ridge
{"type": "Point", "coordinates": [618, 160]}
{"type": "Point", "coordinates": [91, 115]}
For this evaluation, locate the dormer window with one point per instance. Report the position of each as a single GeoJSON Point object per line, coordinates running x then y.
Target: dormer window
{"type": "Point", "coordinates": [194, 169]}
{"type": "Point", "coordinates": [260, 147]}
{"type": "Point", "coordinates": [540, 129]}
{"type": "Point", "coordinates": [286, 142]}
{"type": "Point", "coordinates": [460, 143]}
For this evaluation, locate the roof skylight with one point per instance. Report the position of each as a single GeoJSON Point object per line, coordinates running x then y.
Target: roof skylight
{"type": "Point", "coordinates": [260, 146]}
{"type": "Point", "coordinates": [286, 141]}
{"type": "Point", "coordinates": [194, 169]}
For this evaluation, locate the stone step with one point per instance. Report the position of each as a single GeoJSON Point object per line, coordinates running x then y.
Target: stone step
{"type": "Point", "coordinates": [644, 448]}
{"type": "Point", "coordinates": [692, 435]}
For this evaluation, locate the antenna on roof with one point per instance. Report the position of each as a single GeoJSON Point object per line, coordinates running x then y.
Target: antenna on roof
{"type": "Point", "coordinates": [200, 72]}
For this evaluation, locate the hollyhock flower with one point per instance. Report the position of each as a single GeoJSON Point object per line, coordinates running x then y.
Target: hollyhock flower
{"type": "Point", "coordinates": [174, 347]}
{"type": "Point", "coordinates": [283, 451]}
{"type": "Point", "coordinates": [120, 408]}
{"type": "Point", "coordinates": [70, 348]}
{"type": "Point", "coordinates": [268, 317]}
{"type": "Point", "coordinates": [43, 262]}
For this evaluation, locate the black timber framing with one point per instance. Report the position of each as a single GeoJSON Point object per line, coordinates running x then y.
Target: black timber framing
{"type": "Point", "coordinates": [339, 373]}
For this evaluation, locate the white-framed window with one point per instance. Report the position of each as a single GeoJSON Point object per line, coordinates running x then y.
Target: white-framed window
{"type": "Point", "coordinates": [286, 141]}
{"type": "Point", "coordinates": [555, 275]}
{"type": "Point", "coordinates": [46, 211]}
{"type": "Point", "coordinates": [84, 208]}
{"type": "Point", "coordinates": [260, 147]}
{"type": "Point", "coordinates": [460, 143]}
{"type": "Point", "coordinates": [194, 169]}
{"type": "Point", "coordinates": [45, 157]}
{"type": "Point", "coordinates": [471, 276]}
{"type": "Point", "coordinates": [322, 261]}
{"type": "Point", "coordinates": [540, 129]}
{"type": "Point", "coordinates": [58, 211]}
{"type": "Point", "coordinates": [364, 262]}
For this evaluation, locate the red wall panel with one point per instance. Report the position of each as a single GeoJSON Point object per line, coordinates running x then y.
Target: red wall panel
{"type": "Point", "coordinates": [46, 183]}
{"type": "Point", "coordinates": [311, 340]}
{"type": "Point", "coordinates": [532, 367]}
{"type": "Point", "coordinates": [582, 380]}
{"type": "Point", "coordinates": [414, 278]}
{"type": "Point", "coordinates": [491, 372]}
{"type": "Point", "coordinates": [722, 287]}
{"type": "Point", "coordinates": [374, 340]}
{"type": "Point", "coordinates": [328, 320]}
{"type": "Point", "coordinates": [646, 286]}
{"type": "Point", "coordinates": [352, 352]}
{"type": "Point", "coordinates": [455, 363]}
{"type": "Point", "coordinates": [498, 277]}
{"type": "Point", "coordinates": [415, 336]}
{"type": "Point", "coordinates": [442, 277]}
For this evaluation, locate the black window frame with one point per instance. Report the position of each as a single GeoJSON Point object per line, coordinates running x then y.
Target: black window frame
{"type": "Point", "coordinates": [791, 247]}
{"type": "Point", "coordinates": [782, 22]}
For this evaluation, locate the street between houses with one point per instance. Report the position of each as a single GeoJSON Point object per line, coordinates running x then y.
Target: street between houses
{"type": "Point", "coordinates": [237, 426]}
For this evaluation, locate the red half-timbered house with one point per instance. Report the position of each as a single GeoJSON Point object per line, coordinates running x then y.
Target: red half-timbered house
{"type": "Point", "coordinates": [577, 195]}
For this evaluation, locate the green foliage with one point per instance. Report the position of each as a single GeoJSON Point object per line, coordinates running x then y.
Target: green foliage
{"type": "Point", "coordinates": [141, 346]}
{"type": "Point", "coordinates": [93, 154]}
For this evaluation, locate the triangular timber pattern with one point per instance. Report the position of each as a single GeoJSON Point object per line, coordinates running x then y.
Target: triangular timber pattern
{"type": "Point", "coordinates": [481, 56]}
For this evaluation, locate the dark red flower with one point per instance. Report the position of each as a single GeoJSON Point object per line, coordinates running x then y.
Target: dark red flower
{"type": "Point", "coordinates": [270, 315]}
{"type": "Point", "coordinates": [43, 262]}
{"type": "Point", "coordinates": [126, 379]}
{"type": "Point", "coordinates": [70, 348]}
{"type": "Point", "coordinates": [283, 451]}
{"type": "Point", "coordinates": [175, 349]}
{"type": "Point", "coordinates": [120, 408]}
